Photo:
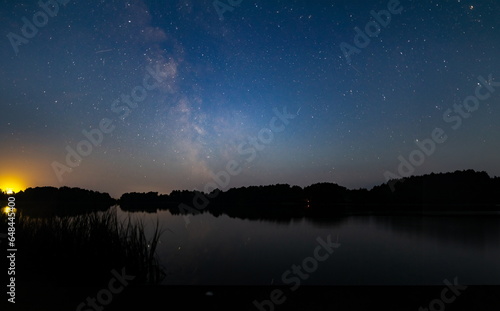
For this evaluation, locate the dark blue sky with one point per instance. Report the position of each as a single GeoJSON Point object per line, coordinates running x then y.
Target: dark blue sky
{"type": "Point", "coordinates": [199, 88]}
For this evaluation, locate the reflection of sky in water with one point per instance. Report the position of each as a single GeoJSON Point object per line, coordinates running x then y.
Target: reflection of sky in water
{"type": "Point", "coordinates": [7, 210]}
{"type": "Point", "coordinates": [374, 250]}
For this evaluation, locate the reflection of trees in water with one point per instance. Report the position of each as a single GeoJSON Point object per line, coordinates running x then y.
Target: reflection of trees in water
{"type": "Point", "coordinates": [276, 217]}
{"type": "Point", "coordinates": [475, 231]}
{"type": "Point", "coordinates": [326, 222]}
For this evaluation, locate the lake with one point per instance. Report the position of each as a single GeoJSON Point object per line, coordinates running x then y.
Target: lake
{"type": "Point", "coordinates": [373, 250]}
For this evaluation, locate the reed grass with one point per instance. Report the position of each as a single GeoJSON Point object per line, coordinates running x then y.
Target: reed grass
{"type": "Point", "coordinates": [85, 248]}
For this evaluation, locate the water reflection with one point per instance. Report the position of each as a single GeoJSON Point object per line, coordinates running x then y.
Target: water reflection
{"type": "Point", "coordinates": [473, 231]}
{"type": "Point", "coordinates": [376, 250]}
{"type": "Point", "coordinates": [7, 210]}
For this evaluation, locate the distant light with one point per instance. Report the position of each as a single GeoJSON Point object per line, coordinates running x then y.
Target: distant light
{"type": "Point", "coordinates": [10, 191]}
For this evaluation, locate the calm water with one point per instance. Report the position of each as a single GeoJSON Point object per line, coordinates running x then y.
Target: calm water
{"type": "Point", "coordinates": [374, 250]}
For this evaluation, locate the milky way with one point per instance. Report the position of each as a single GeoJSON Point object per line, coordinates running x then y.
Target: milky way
{"type": "Point", "coordinates": [122, 96]}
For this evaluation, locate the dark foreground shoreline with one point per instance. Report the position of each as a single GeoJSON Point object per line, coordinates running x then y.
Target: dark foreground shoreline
{"type": "Point", "coordinates": [242, 297]}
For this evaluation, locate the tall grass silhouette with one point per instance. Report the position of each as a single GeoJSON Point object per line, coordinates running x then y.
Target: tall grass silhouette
{"type": "Point", "coordinates": [83, 249]}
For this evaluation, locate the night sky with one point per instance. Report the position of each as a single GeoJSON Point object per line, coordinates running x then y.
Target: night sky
{"type": "Point", "coordinates": [170, 93]}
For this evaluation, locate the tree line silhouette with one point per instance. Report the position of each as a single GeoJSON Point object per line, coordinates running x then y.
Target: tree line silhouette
{"type": "Point", "coordinates": [457, 191]}
{"type": "Point", "coordinates": [49, 201]}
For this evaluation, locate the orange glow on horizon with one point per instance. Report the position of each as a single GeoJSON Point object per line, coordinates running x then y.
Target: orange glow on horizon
{"type": "Point", "coordinates": [11, 184]}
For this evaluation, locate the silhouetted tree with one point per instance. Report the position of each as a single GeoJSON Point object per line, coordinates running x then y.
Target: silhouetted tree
{"type": "Point", "coordinates": [444, 191]}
